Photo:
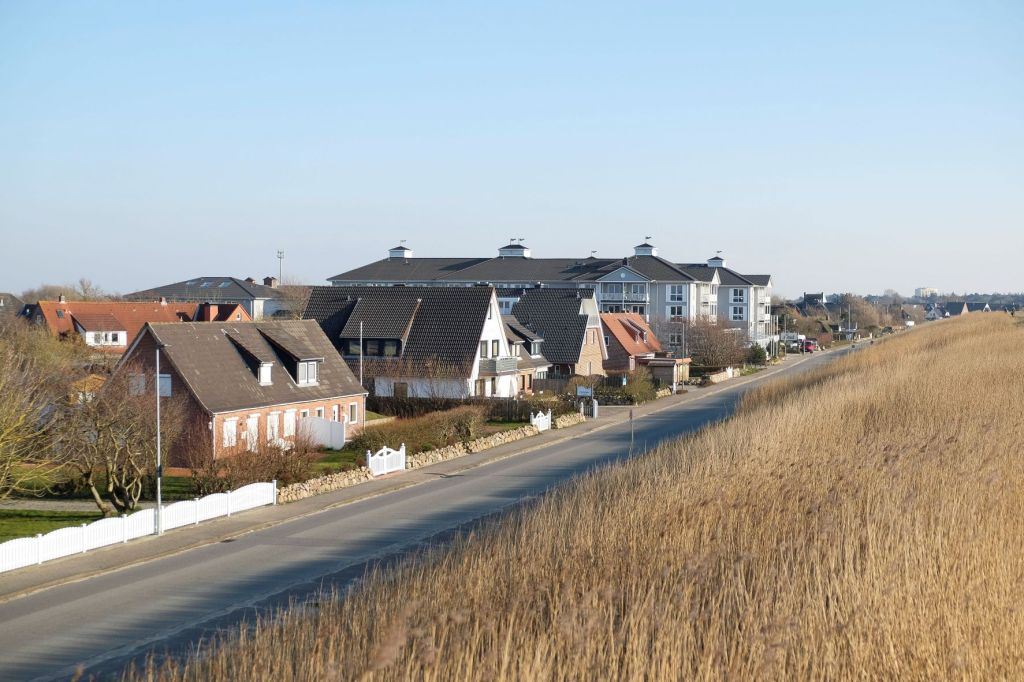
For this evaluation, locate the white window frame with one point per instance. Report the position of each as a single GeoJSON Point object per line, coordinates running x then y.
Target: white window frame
{"type": "Point", "coordinates": [273, 427]}
{"type": "Point", "coordinates": [319, 412]}
{"type": "Point", "coordinates": [289, 423]}
{"type": "Point", "coordinates": [252, 435]}
{"type": "Point", "coordinates": [229, 432]}
{"type": "Point", "coordinates": [677, 311]}
{"type": "Point", "coordinates": [265, 374]}
{"type": "Point", "coordinates": [738, 296]}
{"type": "Point", "coordinates": [165, 385]}
{"type": "Point", "coordinates": [334, 413]}
{"type": "Point", "coordinates": [353, 413]}
{"type": "Point", "coordinates": [676, 293]}
{"type": "Point", "coordinates": [737, 313]}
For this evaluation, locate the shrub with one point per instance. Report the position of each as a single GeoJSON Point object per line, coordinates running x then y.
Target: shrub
{"type": "Point", "coordinates": [428, 432]}
{"type": "Point", "coordinates": [757, 355]}
{"type": "Point", "coordinates": [639, 386]}
{"type": "Point", "coordinates": [287, 464]}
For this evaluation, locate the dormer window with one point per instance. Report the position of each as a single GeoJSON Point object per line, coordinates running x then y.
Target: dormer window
{"type": "Point", "coordinates": [307, 373]}
{"type": "Point", "coordinates": [265, 377]}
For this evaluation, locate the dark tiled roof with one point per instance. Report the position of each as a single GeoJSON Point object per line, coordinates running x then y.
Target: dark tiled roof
{"type": "Point", "coordinates": [10, 306]}
{"type": "Point", "coordinates": [407, 270]}
{"type": "Point", "coordinates": [444, 324]}
{"type": "Point", "coordinates": [222, 380]}
{"type": "Point", "coordinates": [207, 289]}
{"type": "Point", "coordinates": [555, 315]}
{"type": "Point", "coordinates": [518, 332]}
{"type": "Point", "coordinates": [699, 271]}
{"type": "Point", "coordinates": [759, 280]}
{"type": "Point", "coordinates": [658, 268]}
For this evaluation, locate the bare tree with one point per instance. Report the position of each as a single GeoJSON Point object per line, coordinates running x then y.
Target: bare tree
{"type": "Point", "coordinates": [712, 344]}
{"type": "Point", "coordinates": [109, 443]}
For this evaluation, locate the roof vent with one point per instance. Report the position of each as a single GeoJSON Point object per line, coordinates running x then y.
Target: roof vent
{"type": "Point", "coordinates": [514, 249]}
{"type": "Point", "coordinates": [400, 252]}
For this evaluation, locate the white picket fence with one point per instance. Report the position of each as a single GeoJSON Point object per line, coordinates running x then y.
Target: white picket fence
{"type": "Point", "coordinates": [62, 542]}
{"type": "Point", "coordinates": [386, 460]}
{"type": "Point", "coordinates": [541, 420]}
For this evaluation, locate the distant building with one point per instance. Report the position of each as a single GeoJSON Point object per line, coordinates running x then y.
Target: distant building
{"type": "Point", "coordinates": [10, 306]}
{"type": "Point", "coordinates": [926, 292]}
{"type": "Point", "coordinates": [259, 300]}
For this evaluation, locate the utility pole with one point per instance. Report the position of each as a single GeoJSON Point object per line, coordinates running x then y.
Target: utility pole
{"type": "Point", "coordinates": [361, 355]}
{"type": "Point", "coordinates": [280, 265]}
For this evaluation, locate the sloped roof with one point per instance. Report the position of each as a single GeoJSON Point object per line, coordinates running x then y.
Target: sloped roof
{"type": "Point", "coordinates": [10, 306]}
{"type": "Point", "coordinates": [221, 379]}
{"type": "Point", "coordinates": [207, 289]}
{"type": "Point", "coordinates": [759, 280]}
{"type": "Point", "coordinates": [97, 322]}
{"type": "Point", "coordinates": [555, 315]}
{"type": "Point", "coordinates": [628, 329]}
{"type": "Point", "coordinates": [441, 325]}
{"type": "Point", "coordinates": [517, 332]}
{"type": "Point", "coordinates": [131, 316]}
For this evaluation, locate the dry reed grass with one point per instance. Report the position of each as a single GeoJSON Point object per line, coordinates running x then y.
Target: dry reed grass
{"type": "Point", "coordinates": [860, 521]}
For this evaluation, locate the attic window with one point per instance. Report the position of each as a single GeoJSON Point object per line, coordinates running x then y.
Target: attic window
{"type": "Point", "coordinates": [307, 373]}
{"type": "Point", "coordinates": [224, 284]}
{"type": "Point", "coordinates": [265, 379]}
{"type": "Point", "coordinates": [205, 284]}
{"type": "Point", "coordinates": [60, 314]}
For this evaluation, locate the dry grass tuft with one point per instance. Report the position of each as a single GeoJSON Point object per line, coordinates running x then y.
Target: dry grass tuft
{"type": "Point", "coordinates": [860, 521]}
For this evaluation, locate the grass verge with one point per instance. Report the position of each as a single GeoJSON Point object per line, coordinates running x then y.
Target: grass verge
{"type": "Point", "coordinates": [20, 523]}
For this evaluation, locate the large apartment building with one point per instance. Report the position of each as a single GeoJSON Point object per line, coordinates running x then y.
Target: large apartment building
{"type": "Point", "coordinates": [664, 292]}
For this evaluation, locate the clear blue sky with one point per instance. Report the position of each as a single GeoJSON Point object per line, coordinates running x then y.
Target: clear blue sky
{"type": "Point", "coordinates": [839, 146]}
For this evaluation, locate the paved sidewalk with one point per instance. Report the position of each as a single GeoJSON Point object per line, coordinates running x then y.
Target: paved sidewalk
{"type": "Point", "coordinates": [107, 559]}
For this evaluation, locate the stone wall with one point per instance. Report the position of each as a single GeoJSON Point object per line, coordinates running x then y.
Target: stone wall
{"type": "Point", "coordinates": [480, 444]}
{"type": "Point", "coordinates": [567, 420]}
{"type": "Point", "coordinates": [344, 479]}
{"type": "Point", "coordinates": [323, 484]}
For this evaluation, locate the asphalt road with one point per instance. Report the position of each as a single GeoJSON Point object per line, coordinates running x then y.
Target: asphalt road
{"type": "Point", "coordinates": [168, 604]}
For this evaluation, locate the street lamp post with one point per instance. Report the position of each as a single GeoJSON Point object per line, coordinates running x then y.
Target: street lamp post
{"type": "Point", "coordinates": [159, 463]}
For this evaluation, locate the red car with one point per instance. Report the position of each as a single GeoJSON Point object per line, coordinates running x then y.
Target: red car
{"type": "Point", "coordinates": [810, 346]}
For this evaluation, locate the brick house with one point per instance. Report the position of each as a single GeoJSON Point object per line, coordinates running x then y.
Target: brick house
{"type": "Point", "coordinates": [528, 345]}
{"type": "Point", "coordinates": [248, 382]}
{"type": "Point", "coordinates": [629, 338]}
{"type": "Point", "coordinates": [111, 326]}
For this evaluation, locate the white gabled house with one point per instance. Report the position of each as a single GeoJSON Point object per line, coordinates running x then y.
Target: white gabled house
{"type": "Point", "coordinates": [420, 342]}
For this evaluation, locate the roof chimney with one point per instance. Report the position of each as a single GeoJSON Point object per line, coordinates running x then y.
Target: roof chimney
{"type": "Point", "coordinates": [400, 252]}
{"type": "Point", "coordinates": [250, 280]}
{"type": "Point", "coordinates": [163, 300]}
{"type": "Point", "coordinates": [209, 312]}
{"type": "Point", "coordinates": [270, 282]}
{"type": "Point", "coordinates": [62, 299]}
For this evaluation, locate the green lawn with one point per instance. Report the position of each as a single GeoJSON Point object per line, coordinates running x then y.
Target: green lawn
{"type": "Point", "coordinates": [339, 460]}
{"type": "Point", "coordinates": [18, 523]}
{"type": "Point", "coordinates": [370, 416]}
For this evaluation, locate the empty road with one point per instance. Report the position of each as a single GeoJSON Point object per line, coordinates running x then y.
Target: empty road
{"type": "Point", "coordinates": [168, 604]}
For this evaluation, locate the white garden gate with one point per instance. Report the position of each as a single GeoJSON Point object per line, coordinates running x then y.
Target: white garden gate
{"type": "Point", "coordinates": [386, 460]}
{"type": "Point", "coordinates": [541, 420]}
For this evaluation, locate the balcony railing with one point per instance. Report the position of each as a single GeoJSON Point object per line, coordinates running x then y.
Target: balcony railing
{"type": "Point", "coordinates": [614, 297]}
{"type": "Point", "coordinates": [496, 366]}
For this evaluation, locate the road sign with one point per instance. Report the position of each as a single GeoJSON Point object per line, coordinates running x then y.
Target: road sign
{"type": "Point", "coordinates": [584, 392]}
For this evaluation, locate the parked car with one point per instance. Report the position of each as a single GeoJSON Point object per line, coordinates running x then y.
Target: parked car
{"type": "Point", "coordinates": [810, 346]}
{"type": "Point", "coordinates": [793, 346]}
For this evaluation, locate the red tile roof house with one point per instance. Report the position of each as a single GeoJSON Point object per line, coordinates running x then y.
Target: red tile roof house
{"type": "Point", "coordinates": [111, 326]}
{"type": "Point", "coordinates": [249, 382]}
{"type": "Point", "coordinates": [632, 344]}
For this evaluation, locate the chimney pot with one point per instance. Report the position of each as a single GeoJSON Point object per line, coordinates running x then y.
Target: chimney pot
{"type": "Point", "coordinates": [270, 282]}
{"type": "Point", "coordinates": [163, 300]}
{"type": "Point", "coordinates": [62, 299]}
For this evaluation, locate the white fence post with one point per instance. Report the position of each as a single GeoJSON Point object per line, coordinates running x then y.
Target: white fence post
{"type": "Point", "coordinates": [39, 548]}
{"type": "Point", "coordinates": [228, 493]}
{"type": "Point", "coordinates": [124, 528]}
{"type": "Point", "coordinates": [83, 536]}
{"type": "Point", "coordinates": [195, 510]}
{"type": "Point", "coordinates": [275, 490]}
